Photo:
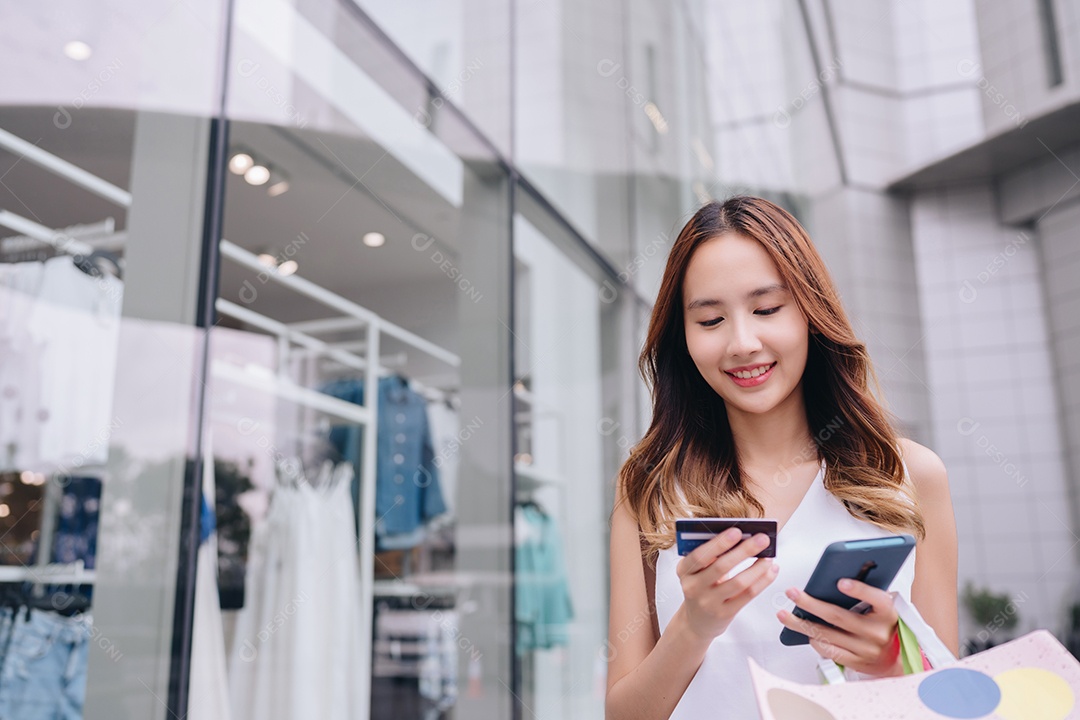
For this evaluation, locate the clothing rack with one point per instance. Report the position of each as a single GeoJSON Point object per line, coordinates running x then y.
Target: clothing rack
{"type": "Point", "coordinates": [238, 312]}
{"type": "Point", "coordinates": [386, 362]}
{"type": "Point", "coordinates": [94, 236]}
{"type": "Point", "coordinates": [64, 169]}
{"type": "Point", "coordinates": [51, 574]}
{"type": "Point", "coordinates": [42, 234]}
{"type": "Point", "coordinates": [65, 241]}
{"type": "Point", "coordinates": [262, 378]}
{"type": "Point", "coordinates": [311, 346]}
{"type": "Point", "coordinates": [356, 316]}
{"type": "Point", "coordinates": [399, 588]}
{"type": "Point", "coordinates": [352, 316]}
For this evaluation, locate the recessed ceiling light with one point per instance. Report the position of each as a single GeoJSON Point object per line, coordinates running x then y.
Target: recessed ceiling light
{"type": "Point", "coordinates": [288, 267]}
{"type": "Point", "coordinates": [78, 50]}
{"type": "Point", "coordinates": [656, 117]}
{"type": "Point", "coordinates": [257, 175]}
{"type": "Point", "coordinates": [239, 163]}
{"type": "Point", "coordinates": [374, 239]}
{"type": "Point", "coordinates": [278, 188]}
{"type": "Point", "coordinates": [267, 259]}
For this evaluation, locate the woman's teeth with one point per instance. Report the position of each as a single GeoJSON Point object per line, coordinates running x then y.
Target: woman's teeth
{"type": "Point", "coordinates": [747, 374]}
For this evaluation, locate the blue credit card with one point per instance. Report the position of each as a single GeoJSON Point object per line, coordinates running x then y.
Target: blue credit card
{"type": "Point", "coordinates": [692, 532]}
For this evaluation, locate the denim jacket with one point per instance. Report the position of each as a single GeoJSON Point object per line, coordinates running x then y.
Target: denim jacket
{"type": "Point", "coordinates": [407, 492]}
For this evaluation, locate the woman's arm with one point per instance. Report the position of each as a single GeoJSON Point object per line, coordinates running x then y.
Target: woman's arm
{"type": "Point", "coordinates": [646, 675]}
{"type": "Point", "coordinates": [935, 588]}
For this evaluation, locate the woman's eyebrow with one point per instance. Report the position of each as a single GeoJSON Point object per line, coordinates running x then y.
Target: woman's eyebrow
{"type": "Point", "coordinates": [713, 302]}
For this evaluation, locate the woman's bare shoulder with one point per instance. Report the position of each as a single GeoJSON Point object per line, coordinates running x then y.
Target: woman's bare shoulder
{"type": "Point", "coordinates": [926, 469]}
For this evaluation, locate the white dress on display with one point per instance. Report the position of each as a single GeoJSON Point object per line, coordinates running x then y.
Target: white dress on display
{"type": "Point", "coordinates": [59, 333]}
{"type": "Point", "coordinates": [208, 690]}
{"type": "Point", "coordinates": [296, 652]}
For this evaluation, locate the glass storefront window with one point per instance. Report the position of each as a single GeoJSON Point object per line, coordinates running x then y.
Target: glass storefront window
{"type": "Point", "coordinates": [63, 216]}
{"type": "Point", "coordinates": [360, 249]}
{"type": "Point", "coordinates": [572, 130]}
{"type": "Point", "coordinates": [100, 376]}
{"type": "Point", "coordinates": [464, 47]}
{"type": "Point", "coordinates": [569, 412]}
{"type": "Point", "coordinates": [301, 219]}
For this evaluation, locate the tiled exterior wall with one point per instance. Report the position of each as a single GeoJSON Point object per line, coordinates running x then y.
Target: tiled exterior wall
{"type": "Point", "coordinates": [994, 400]}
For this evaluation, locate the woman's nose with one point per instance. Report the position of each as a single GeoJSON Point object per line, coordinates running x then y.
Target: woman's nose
{"type": "Point", "coordinates": [744, 339]}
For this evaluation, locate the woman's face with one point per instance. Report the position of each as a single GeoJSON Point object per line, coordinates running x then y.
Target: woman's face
{"type": "Point", "coordinates": [740, 320]}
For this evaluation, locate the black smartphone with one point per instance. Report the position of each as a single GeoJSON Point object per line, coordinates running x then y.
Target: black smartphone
{"type": "Point", "coordinates": [874, 562]}
{"type": "Point", "coordinates": [692, 532]}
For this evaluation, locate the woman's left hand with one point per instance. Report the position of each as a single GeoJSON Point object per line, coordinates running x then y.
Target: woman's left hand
{"type": "Point", "coordinates": [865, 643]}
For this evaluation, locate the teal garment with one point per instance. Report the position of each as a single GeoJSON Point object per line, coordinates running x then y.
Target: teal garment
{"type": "Point", "coordinates": [542, 600]}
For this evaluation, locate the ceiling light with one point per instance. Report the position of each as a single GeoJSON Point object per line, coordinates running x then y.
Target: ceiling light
{"type": "Point", "coordinates": [268, 260]}
{"type": "Point", "coordinates": [5, 510]}
{"type": "Point", "coordinates": [240, 163]}
{"type": "Point", "coordinates": [656, 117]}
{"type": "Point", "coordinates": [288, 267]}
{"type": "Point", "coordinates": [702, 153]}
{"type": "Point", "coordinates": [257, 175]}
{"type": "Point", "coordinates": [279, 183]}
{"type": "Point", "coordinates": [374, 239]}
{"type": "Point", "coordinates": [77, 50]}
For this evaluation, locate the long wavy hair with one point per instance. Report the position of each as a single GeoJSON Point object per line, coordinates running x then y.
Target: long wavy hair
{"type": "Point", "coordinates": [686, 464]}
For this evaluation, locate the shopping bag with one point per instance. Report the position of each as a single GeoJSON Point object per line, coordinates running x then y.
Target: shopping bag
{"type": "Point", "coordinates": [920, 647]}
{"type": "Point", "coordinates": [1030, 678]}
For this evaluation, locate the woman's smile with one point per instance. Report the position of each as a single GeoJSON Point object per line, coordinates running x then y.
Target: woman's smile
{"type": "Point", "coordinates": [751, 378]}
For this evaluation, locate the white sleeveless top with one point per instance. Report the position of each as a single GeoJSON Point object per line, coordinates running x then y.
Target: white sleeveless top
{"type": "Point", "coordinates": [723, 680]}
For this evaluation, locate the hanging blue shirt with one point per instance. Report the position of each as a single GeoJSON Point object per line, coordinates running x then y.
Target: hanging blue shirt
{"type": "Point", "coordinates": [407, 491]}
{"type": "Point", "coordinates": [77, 522]}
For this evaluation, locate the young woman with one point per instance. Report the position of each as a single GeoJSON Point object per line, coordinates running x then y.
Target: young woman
{"type": "Point", "coordinates": [762, 407]}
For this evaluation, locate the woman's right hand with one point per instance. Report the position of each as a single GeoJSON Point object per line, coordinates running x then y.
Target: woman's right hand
{"type": "Point", "coordinates": [710, 602]}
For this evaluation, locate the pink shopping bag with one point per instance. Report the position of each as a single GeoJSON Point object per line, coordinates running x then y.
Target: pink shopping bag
{"type": "Point", "coordinates": [1031, 678]}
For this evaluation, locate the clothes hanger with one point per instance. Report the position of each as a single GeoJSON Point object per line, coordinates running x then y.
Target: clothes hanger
{"type": "Point", "coordinates": [98, 263]}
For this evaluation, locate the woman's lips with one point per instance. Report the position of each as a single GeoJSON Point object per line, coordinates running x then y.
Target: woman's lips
{"type": "Point", "coordinates": [754, 381]}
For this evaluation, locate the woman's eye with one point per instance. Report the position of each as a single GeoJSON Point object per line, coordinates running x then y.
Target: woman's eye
{"type": "Point", "coordinates": [769, 311]}
{"type": "Point", "coordinates": [711, 323]}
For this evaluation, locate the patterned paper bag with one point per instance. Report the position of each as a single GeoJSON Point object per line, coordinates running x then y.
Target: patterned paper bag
{"type": "Point", "coordinates": [1031, 678]}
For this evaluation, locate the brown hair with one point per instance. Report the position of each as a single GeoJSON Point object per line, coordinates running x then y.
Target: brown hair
{"type": "Point", "coordinates": [689, 446]}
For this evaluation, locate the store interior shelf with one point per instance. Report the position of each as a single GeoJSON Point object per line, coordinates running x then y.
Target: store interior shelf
{"type": "Point", "coordinates": [529, 476]}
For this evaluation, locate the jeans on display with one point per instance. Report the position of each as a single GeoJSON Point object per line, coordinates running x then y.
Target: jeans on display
{"type": "Point", "coordinates": [43, 675]}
